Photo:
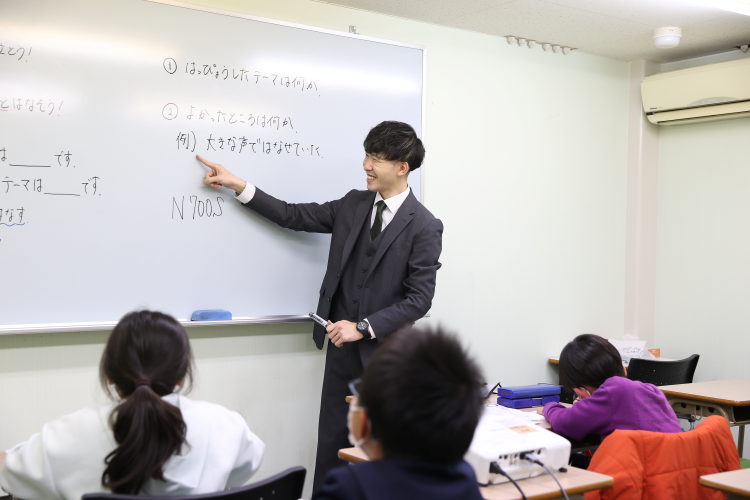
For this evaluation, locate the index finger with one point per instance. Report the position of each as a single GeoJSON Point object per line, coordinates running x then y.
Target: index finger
{"type": "Point", "coordinates": [206, 162]}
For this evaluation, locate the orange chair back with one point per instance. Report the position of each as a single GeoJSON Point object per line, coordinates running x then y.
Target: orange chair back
{"type": "Point", "coordinates": [652, 465]}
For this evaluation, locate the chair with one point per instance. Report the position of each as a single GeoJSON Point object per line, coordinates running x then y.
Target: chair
{"type": "Point", "coordinates": [660, 373]}
{"type": "Point", "coordinates": [286, 485]}
{"type": "Point", "coordinates": [650, 465]}
{"type": "Point", "coordinates": [655, 372]}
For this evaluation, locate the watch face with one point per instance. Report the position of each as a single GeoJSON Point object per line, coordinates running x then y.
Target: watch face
{"type": "Point", "coordinates": [361, 327]}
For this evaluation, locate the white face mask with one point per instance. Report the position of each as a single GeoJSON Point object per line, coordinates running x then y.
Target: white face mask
{"type": "Point", "coordinates": [353, 440]}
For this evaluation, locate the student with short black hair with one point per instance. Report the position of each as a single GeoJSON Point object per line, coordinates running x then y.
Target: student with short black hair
{"type": "Point", "coordinates": [414, 414]}
{"type": "Point", "coordinates": [592, 368]}
{"type": "Point", "coordinates": [152, 441]}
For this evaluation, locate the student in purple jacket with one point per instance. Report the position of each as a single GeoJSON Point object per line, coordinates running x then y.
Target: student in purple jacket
{"type": "Point", "coordinates": [592, 368]}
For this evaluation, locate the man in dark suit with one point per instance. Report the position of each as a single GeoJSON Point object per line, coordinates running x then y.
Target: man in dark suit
{"type": "Point", "coordinates": [414, 414]}
{"type": "Point", "coordinates": [382, 265]}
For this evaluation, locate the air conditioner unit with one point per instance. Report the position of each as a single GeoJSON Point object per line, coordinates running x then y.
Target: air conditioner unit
{"type": "Point", "coordinates": [705, 93]}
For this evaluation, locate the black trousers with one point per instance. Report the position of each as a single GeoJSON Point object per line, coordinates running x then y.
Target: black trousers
{"type": "Point", "coordinates": [343, 364]}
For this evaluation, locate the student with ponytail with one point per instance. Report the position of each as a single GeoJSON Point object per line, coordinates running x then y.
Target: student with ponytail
{"type": "Point", "coordinates": [151, 441]}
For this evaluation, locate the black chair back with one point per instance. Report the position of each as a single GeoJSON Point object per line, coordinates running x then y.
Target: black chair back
{"type": "Point", "coordinates": [286, 485]}
{"type": "Point", "coordinates": [660, 373]}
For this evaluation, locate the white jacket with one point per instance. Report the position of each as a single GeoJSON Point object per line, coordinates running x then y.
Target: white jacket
{"type": "Point", "coordinates": [66, 459]}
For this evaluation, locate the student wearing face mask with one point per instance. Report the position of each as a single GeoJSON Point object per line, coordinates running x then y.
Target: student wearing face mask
{"type": "Point", "coordinates": [592, 368]}
{"type": "Point", "coordinates": [414, 414]}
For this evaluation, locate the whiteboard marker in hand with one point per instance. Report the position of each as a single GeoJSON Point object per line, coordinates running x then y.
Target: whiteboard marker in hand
{"type": "Point", "coordinates": [319, 320]}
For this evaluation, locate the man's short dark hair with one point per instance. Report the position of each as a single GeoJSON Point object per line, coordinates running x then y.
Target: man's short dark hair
{"type": "Point", "coordinates": [589, 360]}
{"type": "Point", "coordinates": [395, 141]}
{"type": "Point", "coordinates": [422, 394]}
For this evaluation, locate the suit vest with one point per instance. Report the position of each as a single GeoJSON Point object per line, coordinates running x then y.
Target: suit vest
{"type": "Point", "coordinates": [346, 301]}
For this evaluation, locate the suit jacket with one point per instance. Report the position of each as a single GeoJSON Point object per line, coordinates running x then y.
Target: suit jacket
{"type": "Point", "coordinates": [399, 284]}
{"type": "Point", "coordinates": [390, 479]}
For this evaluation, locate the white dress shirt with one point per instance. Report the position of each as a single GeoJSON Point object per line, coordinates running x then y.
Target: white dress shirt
{"type": "Point", "coordinates": [392, 205]}
{"type": "Point", "coordinates": [66, 459]}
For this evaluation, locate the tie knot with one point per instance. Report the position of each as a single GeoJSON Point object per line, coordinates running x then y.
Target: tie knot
{"type": "Point", "coordinates": [381, 206]}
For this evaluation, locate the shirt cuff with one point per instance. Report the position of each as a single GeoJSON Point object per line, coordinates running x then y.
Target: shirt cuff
{"type": "Point", "coordinates": [247, 194]}
{"type": "Point", "coordinates": [372, 333]}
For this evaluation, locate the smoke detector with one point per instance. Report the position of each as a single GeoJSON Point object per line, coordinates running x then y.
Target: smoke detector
{"type": "Point", "coordinates": [667, 38]}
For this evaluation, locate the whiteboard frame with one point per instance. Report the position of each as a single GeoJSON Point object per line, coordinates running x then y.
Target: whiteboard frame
{"type": "Point", "coordinates": [249, 320]}
{"type": "Point", "coordinates": [98, 326]}
{"type": "Point", "coordinates": [105, 326]}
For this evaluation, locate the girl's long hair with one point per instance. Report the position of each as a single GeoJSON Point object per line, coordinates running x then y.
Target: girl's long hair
{"type": "Point", "coordinates": [146, 357]}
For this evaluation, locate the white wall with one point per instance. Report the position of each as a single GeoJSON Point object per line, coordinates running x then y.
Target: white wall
{"type": "Point", "coordinates": [703, 280]}
{"type": "Point", "coordinates": [641, 204]}
{"type": "Point", "coordinates": [703, 269]}
{"type": "Point", "coordinates": [702, 61]}
{"type": "Point", "coordinates": [703, 256]}
{"type": "Point", "coordinates": [526, 166]}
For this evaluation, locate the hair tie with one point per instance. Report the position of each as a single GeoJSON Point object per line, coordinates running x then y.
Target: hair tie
{"type": "Point", "coordinates": [142, 381]}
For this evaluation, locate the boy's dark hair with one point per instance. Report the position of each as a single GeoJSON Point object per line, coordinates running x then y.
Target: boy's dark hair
{"type": "Point", "coordinates": [421, 392]}
{"type": "Point", "coordinates": [147, 355]}
{"type": "Point", "coordinates": [589, 360]}
{"type": "Point", "coordinates": [395, 141]}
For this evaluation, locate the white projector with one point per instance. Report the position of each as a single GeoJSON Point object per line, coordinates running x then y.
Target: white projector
{"type": "Point", "coordinates": [502, 436]}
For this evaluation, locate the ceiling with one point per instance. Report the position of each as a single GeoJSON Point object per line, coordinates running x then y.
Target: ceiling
{"type": "Point", "coordinates": [618, 29]}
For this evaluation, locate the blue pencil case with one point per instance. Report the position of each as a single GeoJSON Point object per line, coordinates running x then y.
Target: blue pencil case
{"type": "Point", "coordinates": [550, 399]}
{"type": "Point", "coordinates": [528, 391]}
{"type": "Point", "coordinates": [515, 403]}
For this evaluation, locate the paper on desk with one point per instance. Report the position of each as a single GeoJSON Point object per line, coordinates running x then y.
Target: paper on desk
{"type": "Point", "coordinates": [630, 349]}
{"type": "Point", "coordinates": [533, 416]}
{"type": "Point", "coordinates": [511, 416]}
{"type": "Point", "coordinates": [507, 417]}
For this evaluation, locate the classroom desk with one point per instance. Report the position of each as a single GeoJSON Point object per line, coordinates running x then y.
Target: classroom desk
{"type": "Point", "coordinates": [588, 443]}
{"type": "Point", "coordinates": [735, 483]}
{"type": "Point", "coordinates": [728, 398]}
{"type": "Point", "coordinates": [575, 481]}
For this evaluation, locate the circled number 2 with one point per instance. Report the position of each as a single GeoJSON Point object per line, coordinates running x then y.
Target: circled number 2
{"type": "Point", "coordinates": [170, 111]}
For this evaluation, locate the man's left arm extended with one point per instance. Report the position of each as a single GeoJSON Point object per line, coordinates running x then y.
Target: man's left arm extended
{"type": "Point", "coordinates": [420, 284]}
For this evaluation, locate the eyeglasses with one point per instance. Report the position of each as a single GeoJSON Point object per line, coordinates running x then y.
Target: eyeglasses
{"type": "Point", "coordinates": [579, 398]}
{"type": "Point", "coordinates": [354, 387]}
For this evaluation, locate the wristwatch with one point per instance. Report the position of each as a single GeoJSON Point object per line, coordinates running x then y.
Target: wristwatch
{"type": "Point", "coordinates": [363, 327]}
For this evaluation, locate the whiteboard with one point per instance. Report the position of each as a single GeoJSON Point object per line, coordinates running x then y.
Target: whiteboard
{"type": "Point", "coordinates": [104, 105]}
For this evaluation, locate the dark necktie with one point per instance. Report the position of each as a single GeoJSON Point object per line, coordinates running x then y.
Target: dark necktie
{"type": "Point", "coordinates": [377, 226]}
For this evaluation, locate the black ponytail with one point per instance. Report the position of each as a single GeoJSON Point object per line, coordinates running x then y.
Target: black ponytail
{"type": "Point", "coordinates": [146, 357]}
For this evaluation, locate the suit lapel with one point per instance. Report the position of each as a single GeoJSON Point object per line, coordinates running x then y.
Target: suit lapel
{"type": "Point", "coordinates": [359, 218]}
{"type": "Point", "coordinates": [402, 218]}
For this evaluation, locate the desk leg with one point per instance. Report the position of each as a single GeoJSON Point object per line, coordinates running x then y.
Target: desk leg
{"type": "Point", "coordinates": [741, 440]}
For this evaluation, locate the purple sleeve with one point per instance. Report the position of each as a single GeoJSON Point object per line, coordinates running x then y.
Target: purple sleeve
{"type": "Point", "coordinates": [592, 415]}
